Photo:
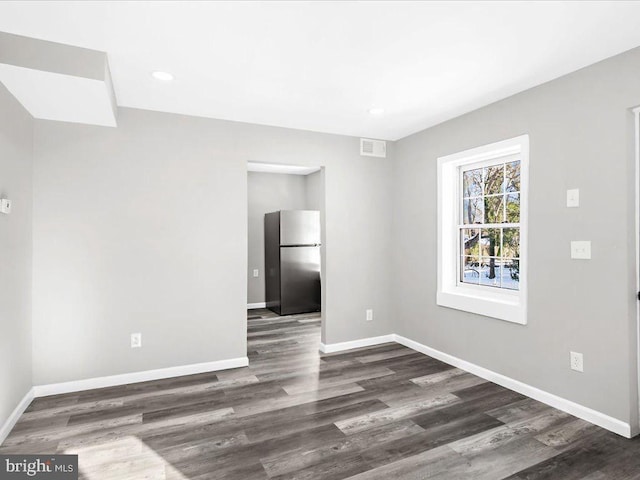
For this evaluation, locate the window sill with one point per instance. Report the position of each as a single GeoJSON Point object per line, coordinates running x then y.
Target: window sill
{"type": "Point", "coordinates": [501, 305]}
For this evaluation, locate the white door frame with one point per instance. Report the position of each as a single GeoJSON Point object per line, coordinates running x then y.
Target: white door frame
{"type": "Point", "coordinates": [636, 132]}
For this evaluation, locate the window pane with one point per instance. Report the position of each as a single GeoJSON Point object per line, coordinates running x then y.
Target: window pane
{"type": "Point", "coordinates": [511, 243]}
{"type": "Point", "coordinates": [493, 179]}
{"type": "Point", "coordinates": [494, 209]}
{"type": "Point", "coordinates": [470, 241]}
{"type": "Point", "coordinates": [490, 272]}
{"type": "Point", "coordinates": [472, 183]}
{"type": "Point", "coordinates": [512, 177]}
{"type": "Point", "coordinates": [490, 242]}
{"type": "Point", "coordinates": [470, 270]}
{"type": "Point", "coordinates": [513, 208]}
{"type": "Point", "coordinates": [510, 275]}
{"type": "Point", "coordinates": [473, 210]}
{"type": "Point", "coordinates": [490, 256]}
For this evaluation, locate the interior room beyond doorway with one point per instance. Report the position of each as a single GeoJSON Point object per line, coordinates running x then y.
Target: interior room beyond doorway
{"type": "Point", "coordinates": [273, 188]}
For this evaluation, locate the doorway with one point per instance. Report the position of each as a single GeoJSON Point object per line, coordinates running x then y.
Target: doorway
{"type": "Point", "coordinates": [274, 188]}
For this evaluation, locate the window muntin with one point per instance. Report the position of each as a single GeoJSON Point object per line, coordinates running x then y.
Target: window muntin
{"type": "Point", "coordinates": [489, 224]}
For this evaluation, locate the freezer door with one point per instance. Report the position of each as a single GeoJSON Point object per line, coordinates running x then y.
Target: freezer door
{"type": "Point", "coordinates": [299, 227]}
{"type": "Point", "coordinates": [300, 280]}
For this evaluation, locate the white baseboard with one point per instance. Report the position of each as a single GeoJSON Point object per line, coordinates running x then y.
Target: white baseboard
{"type": "Point", "coordinates": [251, 306]}
{"type": "Point", "coordinates": [15, 415]}
{"type": "Point", "coordinates": [135, 377]}
{"type": "Point", "coordinates": [112, 381]}
{"type": "Point", "coordinates": [363, 342]}
{"type": "Point", "coordinates": [580, 411]}
{"type": "Point", "coordinates": [575, 409]}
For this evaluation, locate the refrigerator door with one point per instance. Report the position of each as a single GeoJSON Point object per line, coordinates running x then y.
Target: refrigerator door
{"type": "Point", "coordinates": [299, 227]}
{"type": "Point", "coordinates": [300, 280]}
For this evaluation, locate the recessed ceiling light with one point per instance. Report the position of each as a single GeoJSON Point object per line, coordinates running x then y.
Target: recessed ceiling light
{"type": "Point", "coordinates": [162, 76]}
{"type": "Point", "coordinates": [376, 111]}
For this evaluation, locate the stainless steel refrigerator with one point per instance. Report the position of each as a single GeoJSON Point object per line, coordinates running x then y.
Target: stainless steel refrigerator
{"type": "Point", "coordinates": [292, 261]}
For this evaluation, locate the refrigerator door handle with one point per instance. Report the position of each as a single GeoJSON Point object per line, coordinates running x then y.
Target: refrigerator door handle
{"type": "Point", "coordinates": [302, 245]}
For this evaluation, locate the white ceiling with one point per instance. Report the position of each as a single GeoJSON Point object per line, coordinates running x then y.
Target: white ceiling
{"type": "Point", "coordinates": [322, 65]}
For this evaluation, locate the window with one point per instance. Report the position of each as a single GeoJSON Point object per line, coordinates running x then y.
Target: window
{"type": "Point", "coordinates": [482, 230]}
{"type": "Point", "coordinates": [489, 224]}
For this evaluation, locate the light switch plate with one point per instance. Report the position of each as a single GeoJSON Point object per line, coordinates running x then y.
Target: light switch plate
{"type": "Point", "coordinates": [581, 249]}
{"type": "Point", "coordinates": [573, 198]}
{"type": "Point", "coordinates": [5, 206]}
{"type": "Point", "coordinates": [256, 272]}
{"type": "Point", "coordinates": [136, 340]}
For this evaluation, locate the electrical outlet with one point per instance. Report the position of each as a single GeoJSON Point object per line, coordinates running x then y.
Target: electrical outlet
{"type": "Point", "coordinates": [369, 315]}
{"type": "Point", "coordinates": [256, 272]}
{"type": "Point", "coordinates": [136, 340]}
{"type": "Point", "coordinates": [5, 206]}
{"type": "Point", "coordinates": [577, 362]}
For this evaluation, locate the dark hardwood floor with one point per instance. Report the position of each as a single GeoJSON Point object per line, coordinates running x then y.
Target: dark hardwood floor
{"type": "Point", "coordinates": [373, 413]}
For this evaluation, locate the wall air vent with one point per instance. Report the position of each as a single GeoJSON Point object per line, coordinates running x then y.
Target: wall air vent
{"type": "Point", "coordinates": [373, 148]}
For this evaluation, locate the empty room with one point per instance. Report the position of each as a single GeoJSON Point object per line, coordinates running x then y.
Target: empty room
{"type": "Point", "coordinates": [319, 240]}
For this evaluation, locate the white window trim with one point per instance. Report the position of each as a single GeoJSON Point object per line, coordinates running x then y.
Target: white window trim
{"type": "Point", "coordinates": [502, 304]}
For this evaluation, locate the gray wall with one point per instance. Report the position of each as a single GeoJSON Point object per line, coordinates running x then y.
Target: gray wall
{"type": "Point", "coordinates": [581, 137]}
{"type": "Point", "coordinates": [16, 168]}
{"type": "Point", "coordinates": [143, 228]}
{"type": "Point", "coordinates": [314, 191]}
{"type": "Point", "coordinates": [268, 192]}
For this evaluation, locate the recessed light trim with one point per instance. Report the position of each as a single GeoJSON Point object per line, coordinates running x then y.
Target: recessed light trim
{"type": "Point", "coordinates": [376, 111]}
{"type": "Point", "coordinates": [162, 76]}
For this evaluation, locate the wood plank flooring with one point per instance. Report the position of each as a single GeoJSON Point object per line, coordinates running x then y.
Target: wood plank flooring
{"type": "Point", "coordinates": [367, 414]}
